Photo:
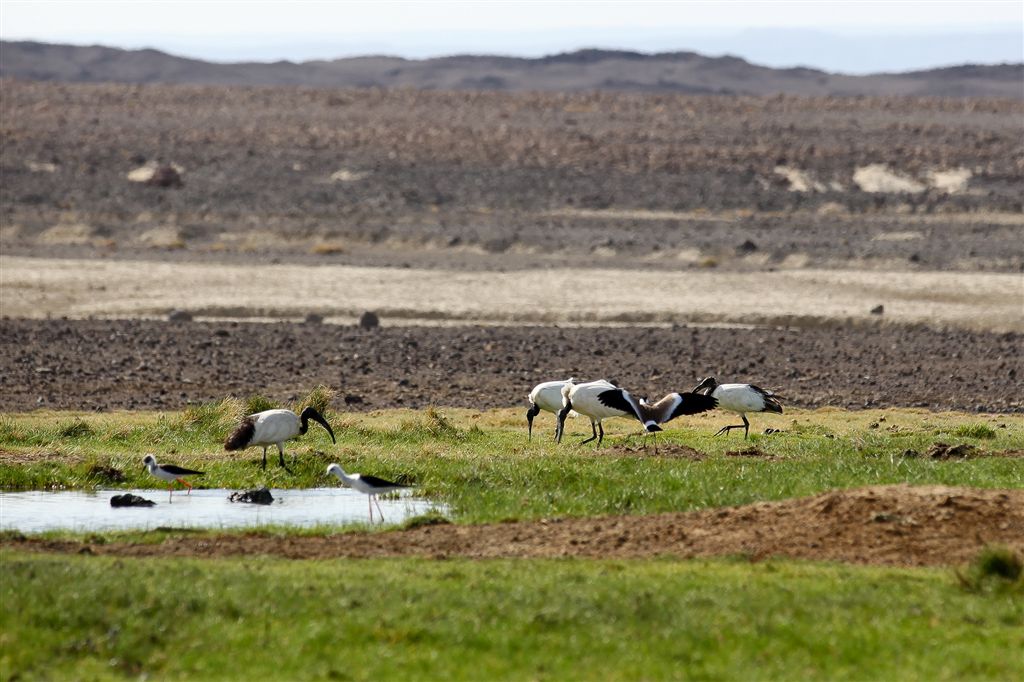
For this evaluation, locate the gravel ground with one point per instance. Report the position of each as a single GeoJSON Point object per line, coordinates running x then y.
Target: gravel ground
{"type": "Point", "coordinates": [138, 364]}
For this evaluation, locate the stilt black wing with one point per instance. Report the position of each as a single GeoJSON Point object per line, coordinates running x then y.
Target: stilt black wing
{"type": "Point", "coordinates": [179, 471]}
{"type": "Point", "coordinates": [693, 403]}
{"type": "Point", "coordinates": [617, 399]}
{"type": "Point", "coordinates": [380, 482]}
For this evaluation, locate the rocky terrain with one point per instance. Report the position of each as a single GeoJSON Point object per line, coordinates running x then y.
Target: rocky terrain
{"type": "Point", "coordinates": [446, 178]}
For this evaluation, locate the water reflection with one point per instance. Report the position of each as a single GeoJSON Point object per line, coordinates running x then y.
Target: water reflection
{"type": "Point", "coordinates": [80, 510]}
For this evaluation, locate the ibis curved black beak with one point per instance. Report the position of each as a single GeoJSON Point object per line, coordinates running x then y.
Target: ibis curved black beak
{"type": "Point", "coordinates": [530, 414]}
{"type": "Point", "coordinates": [708, 383]}
{"type": "Point", "coordinates": [562, 414]}
{"type": "Point", "coordinates": [310, 413]}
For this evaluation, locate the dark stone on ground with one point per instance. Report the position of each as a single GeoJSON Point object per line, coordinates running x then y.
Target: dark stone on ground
{"type": "Point", "coordinates": [369, 320]}
{"type": "Point", "coordinates": [179, 316]}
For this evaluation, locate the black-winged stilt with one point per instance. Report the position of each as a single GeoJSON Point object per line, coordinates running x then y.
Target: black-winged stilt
{"type": "Point", "coordinates": [546, 396]}
{"type": "Point", "coordinates": [371, 486]}
{"type": "Point", "coordinates": [273, 427]}
{"type": "Point", "coordinates": [740, 398]}
{"type": "Point", "coordinates": [169, 473]}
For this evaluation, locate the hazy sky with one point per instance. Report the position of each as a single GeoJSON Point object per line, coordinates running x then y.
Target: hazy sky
{"type": "Point", "coordinates": [228, 30]}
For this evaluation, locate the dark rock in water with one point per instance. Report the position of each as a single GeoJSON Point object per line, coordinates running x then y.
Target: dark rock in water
{"type": "Point", "coordinates": [369, 320]}
{"type": "Point", "coordinates": [261, 496]}
{"type": "Point", "coordinates": [878, 310]}
{"type": "Point", "coordinates": [313, 318]}
{"type": "Point", "coordinates": [129, 500]}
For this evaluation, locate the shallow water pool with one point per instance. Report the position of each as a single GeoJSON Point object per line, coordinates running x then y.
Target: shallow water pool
{"type": "Point", "coordinates": [80, 510]}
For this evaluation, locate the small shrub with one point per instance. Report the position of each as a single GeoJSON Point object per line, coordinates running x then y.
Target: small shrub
{"type": "Point", "coordinates": [320, 399]}
{"type": "Point", "coordinates": [974, 431]}
{"type": "Point", "coordinates": [438, 424]}
{"type": "Point", "coordinates": [212, 417]}
{"type": "Point", "coordinates": [258, 403]}
{"type": "Point", "coordinates": [999, 562]}
{"type": "Point", "coordinates": [998, 567]}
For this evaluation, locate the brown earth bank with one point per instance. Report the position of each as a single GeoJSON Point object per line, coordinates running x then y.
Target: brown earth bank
{"type": "Point", "coordinates": [329, 175]}
{"type": "Point", "coordinates": [889, 525]}
{"type": "Point", "coordinates": [139, 364]}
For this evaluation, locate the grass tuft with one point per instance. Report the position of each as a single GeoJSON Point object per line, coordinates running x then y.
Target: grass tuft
{"type": "Point", "coordinates": [210, 417]}
{"type": "Point", "coordinates": [259, 403]}
{"type": "Point", "coordinates": [974, 431]}
{"type": "Point", "coordinates": [319, 399]}
{"type": "Point", "coordinates": [994, 566]}
{"type": "Point", "coordinates": [428, 519]}
{"type": "Point", "coordinates": [76, 428]}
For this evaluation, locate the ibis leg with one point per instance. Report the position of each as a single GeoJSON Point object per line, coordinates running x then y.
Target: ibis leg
{"type": "Point", "coordinates": [593, 425]}
{"type": "Point", "coordinates": [280, 458]}
{"type": "Point", "coordinates": [600, 437]}
{"type": "Point", "coordinates": [264, 457]}
{"type": "Point", "coordinates": [746, 426]}
{"type": "Point", "coordinates": [378, 508]}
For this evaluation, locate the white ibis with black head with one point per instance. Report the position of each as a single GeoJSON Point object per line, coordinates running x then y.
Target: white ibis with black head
{"type": "Point", "coordinates": [169, 473]}
{"type": "Point", "coordinates": [740, 398]}
{"type": "Point", "coordinates": [546, 396]}
{"type": "Point", "coordinates": [371, 486]}
{"type": "Point", "coordinates": [273, 427]}
{"type": "Point", "coordinates": [601, 400]}
{"type": "Point", "coordinates": [598, 400]}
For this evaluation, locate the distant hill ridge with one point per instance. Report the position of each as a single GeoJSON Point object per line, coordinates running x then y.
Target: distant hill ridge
{"type": "Point", "coordinates": [588, 69]}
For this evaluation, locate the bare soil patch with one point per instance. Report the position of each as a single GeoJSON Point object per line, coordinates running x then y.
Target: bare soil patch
{"type": "Point", "coordinates": [889, 525]}
{"type": "Point", "coordinates": [125, 364]}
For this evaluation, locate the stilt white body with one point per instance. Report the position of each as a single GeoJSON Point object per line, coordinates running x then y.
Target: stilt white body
{"type": "Point", "coordinates": [371, 486]}
{"type": "Point", "coordinates": [169, 473]}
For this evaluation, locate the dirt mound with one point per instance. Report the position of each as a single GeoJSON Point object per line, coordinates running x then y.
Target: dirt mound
{"type": "Point", "coordinates": [891, 525]}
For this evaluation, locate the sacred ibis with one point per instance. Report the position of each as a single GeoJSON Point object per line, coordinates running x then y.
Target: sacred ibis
{"type": "Point", "coordinates": [740, 398]}
{"type": "Point", "coordinates": [598, 400]}
{"type": "Point", "coordinates": [169, 473]}
{"type": "Point", "coordinates": [548, 397]}
{"type": "Point", "coordinates": [273, 427]}
{"type": "Point", "coordinates": [371, 486]}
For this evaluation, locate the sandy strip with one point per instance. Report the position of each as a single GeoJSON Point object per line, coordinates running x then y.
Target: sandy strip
{"type": "Point", "coordinates": [41, 287]}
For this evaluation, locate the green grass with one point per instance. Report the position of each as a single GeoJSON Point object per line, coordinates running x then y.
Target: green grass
{"type": "Point", "coordinates": [481, 465]}
{"type": "Point", "coordinates": [74, 617]}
